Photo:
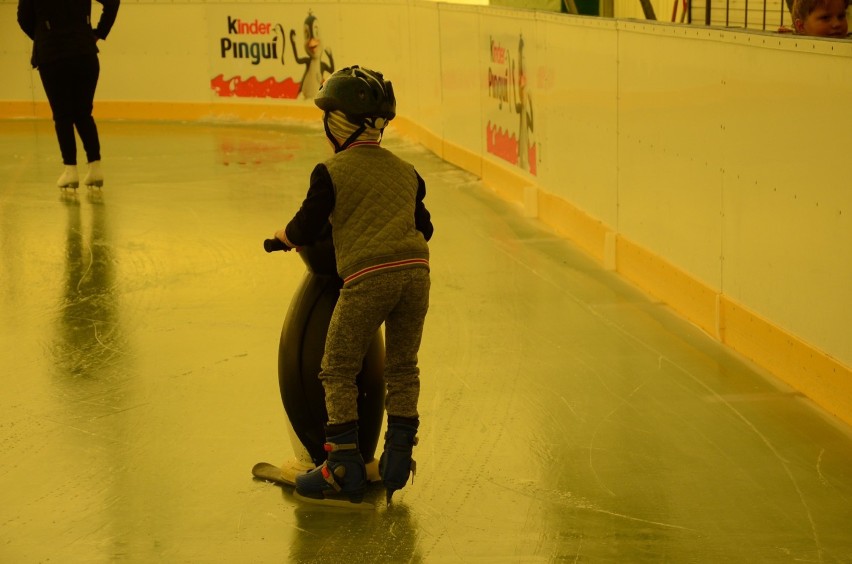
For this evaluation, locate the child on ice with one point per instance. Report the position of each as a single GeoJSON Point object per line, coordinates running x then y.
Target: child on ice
{"type": "Point", "coordinates": [380, 227]}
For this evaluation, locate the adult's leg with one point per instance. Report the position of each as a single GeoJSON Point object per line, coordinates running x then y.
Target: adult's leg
{"type": "Point", "coordinates": [56, 77]}
{"type": "Point", "coordinates": [84, 99]}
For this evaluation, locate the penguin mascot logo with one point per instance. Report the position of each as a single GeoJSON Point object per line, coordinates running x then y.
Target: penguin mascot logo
{"type": "Point", "coordinates": [315, 67]}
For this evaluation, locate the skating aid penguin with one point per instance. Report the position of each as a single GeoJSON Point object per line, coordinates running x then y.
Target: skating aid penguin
{"type": "Point", "coordinates": [300, 352]}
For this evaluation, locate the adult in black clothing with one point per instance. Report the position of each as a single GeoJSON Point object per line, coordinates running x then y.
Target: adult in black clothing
{"type": "Point", "coordinates": [65, 53]}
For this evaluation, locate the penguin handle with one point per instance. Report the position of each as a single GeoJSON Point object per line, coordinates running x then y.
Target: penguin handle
{"type": "Point", "coordinates": [270, 245]}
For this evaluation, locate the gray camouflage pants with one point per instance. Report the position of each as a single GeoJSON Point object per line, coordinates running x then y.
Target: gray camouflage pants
{"type": "Point", "coordinates": [399, 299]}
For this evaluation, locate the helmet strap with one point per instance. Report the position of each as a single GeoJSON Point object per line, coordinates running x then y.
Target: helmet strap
{"type": "Point", "coordinates": [352, 138]}
{"type": "Point", "coordinates": [328, 134]}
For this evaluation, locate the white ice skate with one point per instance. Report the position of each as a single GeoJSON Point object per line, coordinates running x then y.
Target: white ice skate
{"type": "Point", "coordinates": [69, 178]}
{"type": "Point", "coordinates": [94, 177]}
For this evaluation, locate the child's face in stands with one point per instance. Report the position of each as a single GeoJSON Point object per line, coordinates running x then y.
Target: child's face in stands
{"type": "Point", "coordinates": [827, 20]}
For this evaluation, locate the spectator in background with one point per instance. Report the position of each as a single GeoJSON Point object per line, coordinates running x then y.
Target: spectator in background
{"type": "Point", "coordinates": [65, 53]}
{"type": "Point", "coordinates": [824, 18]}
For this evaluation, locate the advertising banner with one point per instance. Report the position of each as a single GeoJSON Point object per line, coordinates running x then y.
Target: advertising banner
{"type": "Point", "coordinates": [270, 52]}
{"type": "Point", "coordinates": [510, 109]}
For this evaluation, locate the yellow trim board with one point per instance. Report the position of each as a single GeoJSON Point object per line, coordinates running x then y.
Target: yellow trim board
{"type": "Point", "coordinates": [416, 132]}
{"type": "Point", "coordinates": [195, 111]}
{"type": "Point", "coordinates": [25, 109]}
{"type": "Point", "coordinates": [818, 376]}
{"type": "Point", "coordinates": [509, 184]}
{"type": "Point", "coordinates": [572, 223]}
{"type": "Point", "coordinates": [823, 379]}
{"type": "Point", "coordinates": [454, 154]}
{"type": "Point", "coordinates": [171, 111]}
{"type": "Point", "coordinates": [462, 158]}
{"type": "Point", "coordinates": [692, 299]}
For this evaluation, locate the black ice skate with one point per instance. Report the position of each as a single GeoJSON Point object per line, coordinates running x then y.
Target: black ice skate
{"type": "Point", "coordinates": [396, 463]}
{"type": "Point", "coordinates": [340, 478]}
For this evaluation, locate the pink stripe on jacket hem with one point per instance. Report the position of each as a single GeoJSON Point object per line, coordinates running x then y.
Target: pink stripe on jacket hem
{"type": "Point", "coordinates": [384, 266]}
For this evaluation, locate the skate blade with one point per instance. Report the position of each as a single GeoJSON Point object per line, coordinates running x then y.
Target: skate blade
{"type": "Point", "coordinates": [95, 184]}
{"type": "Point", "coordinates": [69, 186]}
{"type": "Point", "coordinates": [336, 502]}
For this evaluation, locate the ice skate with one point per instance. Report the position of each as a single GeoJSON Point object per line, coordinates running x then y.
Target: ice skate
{"type": "Point", "coordinates": [94, 177]}
{"type": "Point", "coordinates": [69, 178]}
{"type": "Point", "coordinates": [340, 480]}
{"type": "Point", "coordinates": [396, 463]}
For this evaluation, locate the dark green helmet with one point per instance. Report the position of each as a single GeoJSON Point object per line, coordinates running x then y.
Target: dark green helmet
{"type": "Point", "coordinates": [363, 95]}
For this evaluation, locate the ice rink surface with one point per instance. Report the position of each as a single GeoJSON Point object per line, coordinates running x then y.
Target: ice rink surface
{"type": "Point", "coordinates": [565, 416]}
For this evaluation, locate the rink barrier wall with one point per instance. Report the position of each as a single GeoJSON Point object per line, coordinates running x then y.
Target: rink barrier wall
{"type": "Point", "coordinates": [663, 152]}
{"type": "Point", "coordinates": [798, 364]}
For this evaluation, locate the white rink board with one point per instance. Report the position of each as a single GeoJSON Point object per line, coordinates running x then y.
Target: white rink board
{"type": "Point", "coordinates": [425, 103]}
{"type": "Point", "coordinates": [670, 147]}
{"type": "Point", "coordinates": [577, 85]}
{"type": "Point", "coordinates": [461, 78]}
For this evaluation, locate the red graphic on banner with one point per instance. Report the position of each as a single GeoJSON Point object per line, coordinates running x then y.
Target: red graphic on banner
{"type": "Point", "coordinates": [501, 144]}
{"type": "Point", "coordinates": [504, 145]}
{"type": "Point", "coordinates": [251, 87]}
{"type": "Point", "coordinates": [531, 158]}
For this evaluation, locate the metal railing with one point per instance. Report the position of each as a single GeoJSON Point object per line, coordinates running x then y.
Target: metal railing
{"type": "Point", "coordinates": [765, 15]}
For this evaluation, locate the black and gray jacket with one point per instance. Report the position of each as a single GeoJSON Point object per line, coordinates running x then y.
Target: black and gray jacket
{"type": "Point", "coordinates": [62, 29]}
{"type": "Point", "coordinates": [374, 202]}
